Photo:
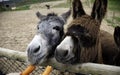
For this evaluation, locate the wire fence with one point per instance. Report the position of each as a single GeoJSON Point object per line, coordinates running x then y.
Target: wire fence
{"type": "Point", "coordinates": [8, 65]}
{"type": "Point", "coordinates": [12, 61]}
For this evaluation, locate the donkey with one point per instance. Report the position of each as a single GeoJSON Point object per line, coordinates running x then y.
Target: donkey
{"type": "Point", "coordinates": [48, 36]}
{"type": "Point", "coordinates": [110, 46]}
{"type": "Point", "coordinates": [81, 42]}
{"type": "Point", "coordinates": [117, 40]}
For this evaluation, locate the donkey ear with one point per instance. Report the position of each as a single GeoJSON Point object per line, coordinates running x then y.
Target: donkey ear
{"type": "Point", "coordinates": [66, 15]}
{"type": "Point", "coordinates": [39, 15]}
{"type": "Point", "coordinates": [117, 36]}
{"type": "Point", "coordinates": [99, 9]}
{"type": "Point", "coordinates": [77, 9]}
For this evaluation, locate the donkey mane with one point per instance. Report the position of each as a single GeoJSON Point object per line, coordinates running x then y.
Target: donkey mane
{"type": "Point", "coordinates": [52, 14]}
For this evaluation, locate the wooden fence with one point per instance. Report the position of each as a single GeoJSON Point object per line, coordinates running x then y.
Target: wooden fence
{"type": "Point", "coordinates": [86, 68]}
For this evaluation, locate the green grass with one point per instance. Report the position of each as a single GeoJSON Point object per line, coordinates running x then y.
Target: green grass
{"type": "Point", "coordinates": [1, 8]}
{"type": "Point", "coordinates": [64, 5]}
{"type": "Point", "coordinates": [24, 7]}
{"type": "Point", "coordinates": [4, 9]}
{"type": "Point", "coordinates": [117, 19]}
{"type": "Point", "coordinates": [114, 5]}
{"type": "Point", "coordinates": [111, 23]}
{"type": "Point", "coordinates": [24, 4]}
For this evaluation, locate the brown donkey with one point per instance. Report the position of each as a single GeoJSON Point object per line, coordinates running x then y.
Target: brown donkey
{"type": "Point", "coordinates": [81, 42]}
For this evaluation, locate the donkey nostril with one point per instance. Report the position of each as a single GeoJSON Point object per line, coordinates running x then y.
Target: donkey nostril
{"type": "Point", "coordinates": [36, 49]}
{"type": "Point", "coordinates": [62, 53]}
{"type": "Point", "coordinates": [65, 53]}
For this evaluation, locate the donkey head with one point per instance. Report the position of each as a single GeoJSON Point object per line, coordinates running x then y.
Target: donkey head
{"type": "Point", "coordinates": [82, 34]}
{"type": "Point", "coordinates": [49, 33]}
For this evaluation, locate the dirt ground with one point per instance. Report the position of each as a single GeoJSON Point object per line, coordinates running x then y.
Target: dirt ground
{"type": "Point", "coordinates": [17, 28]}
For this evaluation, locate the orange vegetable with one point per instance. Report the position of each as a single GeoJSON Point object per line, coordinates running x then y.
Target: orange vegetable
{"type": "Point", "coordinates": [28, 70]}
{"type": "Point", "coordinates": [47, 70]}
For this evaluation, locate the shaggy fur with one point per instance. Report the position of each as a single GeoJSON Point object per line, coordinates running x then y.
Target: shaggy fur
{"type": "Point", "coordinates": [109, 48]}
{"type": "Point", "coordinates": [89, 42]}
{"type": "Point", "coordinates": [85, 29]}
{"type": "Point", "coordinates": [90, 50]}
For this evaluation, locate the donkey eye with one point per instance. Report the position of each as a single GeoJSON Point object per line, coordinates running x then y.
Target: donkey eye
{"type": "Point", "coordinates": [56, 28]}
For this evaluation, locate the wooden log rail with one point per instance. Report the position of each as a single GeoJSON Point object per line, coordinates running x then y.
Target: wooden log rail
{"type": "Point", "coordinates": [86, 68]}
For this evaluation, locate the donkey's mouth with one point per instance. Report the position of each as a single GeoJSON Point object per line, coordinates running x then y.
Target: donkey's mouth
{"type": "Point", "coordinates": [70, 60]}
{"type": "Point", "coordinates": [36, 60]}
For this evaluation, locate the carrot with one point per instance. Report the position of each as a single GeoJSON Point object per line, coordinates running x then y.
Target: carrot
{"type": "Point", "coordinates": [47, 70]}
{"type": "Point", "coordinates": [28, 70]}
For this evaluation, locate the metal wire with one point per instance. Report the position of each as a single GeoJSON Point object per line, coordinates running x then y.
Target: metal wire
{"type": "Point", "coordinates": [8, 65]}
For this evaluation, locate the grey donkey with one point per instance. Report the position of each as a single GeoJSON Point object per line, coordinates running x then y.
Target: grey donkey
{"type": "Point", "coordinates": [49, 33]}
